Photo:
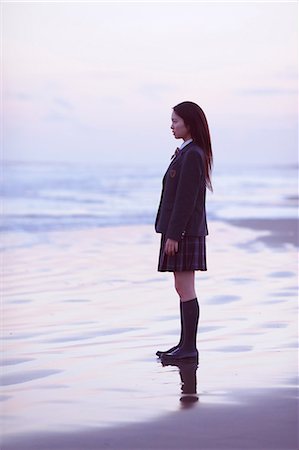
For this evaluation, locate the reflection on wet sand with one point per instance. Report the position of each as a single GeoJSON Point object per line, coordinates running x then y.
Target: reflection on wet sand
{"type": "Point", "coordinates": [187, 370]}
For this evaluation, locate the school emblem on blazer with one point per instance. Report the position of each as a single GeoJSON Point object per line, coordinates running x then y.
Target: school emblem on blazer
{"type": "Point", "coordinates": [172, 173]}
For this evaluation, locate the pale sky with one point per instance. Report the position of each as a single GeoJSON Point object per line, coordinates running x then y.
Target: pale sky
{"type": "Point", "coordinates": [96, 81]}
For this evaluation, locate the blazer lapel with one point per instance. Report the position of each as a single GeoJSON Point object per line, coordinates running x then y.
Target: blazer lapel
{"type": "Point", "coordinates": [180, 154]}
{"type": "Point", "coordinates": [185, 148]}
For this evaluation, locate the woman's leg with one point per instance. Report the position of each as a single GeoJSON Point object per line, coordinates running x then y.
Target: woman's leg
{"type": "Point", "coordinates": [184, 285]}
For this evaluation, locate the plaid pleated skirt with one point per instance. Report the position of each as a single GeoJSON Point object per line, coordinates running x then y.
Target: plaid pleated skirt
{"type": "Point", "coordinates": [191, 255]}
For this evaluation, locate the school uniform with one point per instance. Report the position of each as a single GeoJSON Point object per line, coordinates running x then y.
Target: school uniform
{"type": "Point", "coordinates": [181, 214]}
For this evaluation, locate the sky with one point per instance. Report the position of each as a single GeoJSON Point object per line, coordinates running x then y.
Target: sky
{"type": "Point", "coordinates": [97, 81]}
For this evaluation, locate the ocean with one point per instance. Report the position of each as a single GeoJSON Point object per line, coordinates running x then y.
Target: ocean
{"type": "Point", "coordinates": [38, 198]}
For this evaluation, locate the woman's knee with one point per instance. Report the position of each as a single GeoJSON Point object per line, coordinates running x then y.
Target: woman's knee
{"type": "Point", "coordinates": [179, 288]}
{"type": "Point", "coordinates": [184, 284]}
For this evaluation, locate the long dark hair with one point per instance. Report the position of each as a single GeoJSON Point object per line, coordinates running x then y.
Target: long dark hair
{"type": "Point", "coordinates": [194, 118]}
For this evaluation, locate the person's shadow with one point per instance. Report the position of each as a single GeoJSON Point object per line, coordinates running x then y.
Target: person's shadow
{"type": "Point", "coordinates": [188, 377]}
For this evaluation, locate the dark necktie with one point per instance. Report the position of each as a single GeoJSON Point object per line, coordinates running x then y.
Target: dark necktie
{"type": "Point", "coordinates": [177, 150]}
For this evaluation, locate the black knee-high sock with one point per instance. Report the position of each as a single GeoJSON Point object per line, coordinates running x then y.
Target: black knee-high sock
{"type": "Point", "coordinates": [182, 325]}
{"type": "Point", "coordinates": [190, 313]}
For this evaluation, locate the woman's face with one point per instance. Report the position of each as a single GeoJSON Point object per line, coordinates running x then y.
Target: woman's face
{"type": "Point", "coordinates": [179, 129]}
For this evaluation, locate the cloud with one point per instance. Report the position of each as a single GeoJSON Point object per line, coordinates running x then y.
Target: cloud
{"type": "Point", "coordinates": [155, 90]}
{"type": "Point", "coordinates": [20, 96]}
{"type": "Point", "coordinates": [267, 91]}
{"type": "Point", "coordinates": [63, 103]}
{"type": "Point", "coordinates": [105, 74]}
{"type": "Point", "coordinates": [60, 111]}
{"type": "Point", "coordinates": [54, 116]}
{"type": "Point", "coordinates": [289, 73]}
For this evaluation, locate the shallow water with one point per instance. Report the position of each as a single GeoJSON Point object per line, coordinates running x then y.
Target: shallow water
{"type": "Point", "coordinates": [86, 311]}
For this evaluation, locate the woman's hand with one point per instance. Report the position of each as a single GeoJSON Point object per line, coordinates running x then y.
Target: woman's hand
{"type": "Point", "coordinates": [171, 247]}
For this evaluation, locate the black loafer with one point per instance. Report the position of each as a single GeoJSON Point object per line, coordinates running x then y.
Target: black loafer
{"type": "Point", "coordinates": [160, 353]}
{"type": "Point", "coordinates": [180, 354]}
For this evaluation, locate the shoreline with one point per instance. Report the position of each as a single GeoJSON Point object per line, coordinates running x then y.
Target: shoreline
{"type": "Point", "coordinates": [282, 231]}
{"type": "Point", "coordinates": [273, 233]}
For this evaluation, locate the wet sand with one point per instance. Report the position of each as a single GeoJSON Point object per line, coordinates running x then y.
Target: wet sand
{"type": "Point", "coordinates": [280, 231]}
{"type": "Point", "coordinates": [84, 313]}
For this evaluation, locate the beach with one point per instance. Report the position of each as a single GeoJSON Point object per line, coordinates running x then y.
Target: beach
{"type": "Point", "coordinates": [84, 312]}
{"type": "Point", "coordinates": [120, 118]}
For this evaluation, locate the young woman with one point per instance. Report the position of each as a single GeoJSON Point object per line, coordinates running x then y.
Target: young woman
{"type": "Point", "coordinates": [181, 218]}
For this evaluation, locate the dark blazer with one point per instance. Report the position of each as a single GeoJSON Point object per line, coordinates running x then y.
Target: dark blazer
{"type": "Point", "coordinates": [182, 208]}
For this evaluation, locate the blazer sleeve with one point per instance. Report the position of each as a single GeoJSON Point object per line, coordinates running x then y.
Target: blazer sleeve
{"type": "Point", "coordinates": [189, 184]}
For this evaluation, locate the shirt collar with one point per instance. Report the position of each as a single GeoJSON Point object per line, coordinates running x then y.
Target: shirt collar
{"type": "Point", "coordinates": [185, 143]}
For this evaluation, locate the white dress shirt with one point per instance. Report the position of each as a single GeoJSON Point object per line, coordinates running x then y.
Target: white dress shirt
{"type": "Point", "coordinates": [185, 143]}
